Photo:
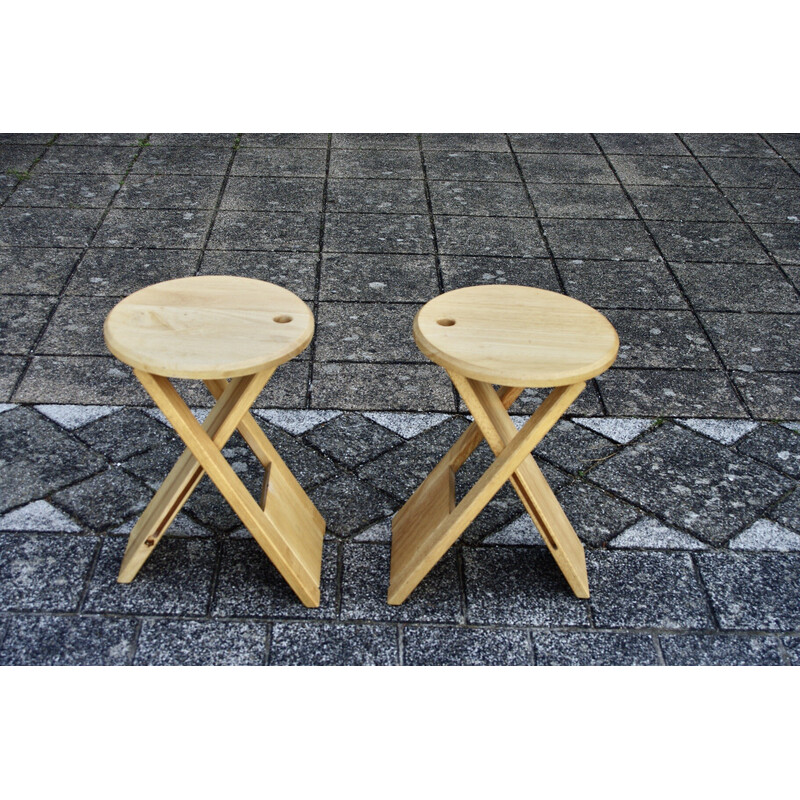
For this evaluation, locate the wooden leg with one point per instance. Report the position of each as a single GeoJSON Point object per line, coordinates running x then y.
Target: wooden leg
{"type": "Point", "coordinates": [186, 474]}
{"type": "Point", "coordinates": [528, 482]}
{"type": "Point", "coordinates": [425, 528]}
{"type": "Point", "coordinates": [288, 527]}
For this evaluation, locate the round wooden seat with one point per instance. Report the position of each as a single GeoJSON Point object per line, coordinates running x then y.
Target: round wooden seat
{"type": "Point", "coordinates": [213, 326]}
{"type": "Point", "coordinates": [515, 336]}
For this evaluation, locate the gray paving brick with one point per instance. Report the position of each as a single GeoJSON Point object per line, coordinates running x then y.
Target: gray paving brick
{"type": "Point", "coordinates": [753, 591]}
{"type": "Point", "coordinates": [646, 590]}
{"type": "Point", "coordinates": [76, 327]}
{"type": "Point", "coordinates": [759, 172]}
{"type": "Point", "coordinates": [677, 203]}
{"type": "Point", "coordinates": [68, 641]}
{"type": "Point", "coordinates": [365, 583]}
{"type": "Point", "coordinates": [665, 339]}
{"type": "Point", "coordinates": [272, 194]}
{"type": "Point", "coordinates": [766, 205]}
{"type": "Point", "coordinates": [493, 142]}
{"type": "Point", "coordinates": [480, 198]}
{"type": "Point", "coordinates": [177, 160]}
{"type": "Point", "coordinates": [621, 284]}
{"type": "Point", "coordinates": [782, 241]}
{"type": "Point", "coordinates": [669, 392]}
{"type": "Point", "coordinates": [318, 140]}
{"type": "Point", "coordinates": [118, 272]}
{"type": "Point", "coordinates": [153, 228]}
{"type": "Point", "coordinates": [574, 448]}
{"type": "Point", "coordinates": [659, 144]}
{"type": "Point", "coordinates": [10, 369]}
{"type": "Point", "coordinates": [275, 162]}
{"type": "Point", "coordinates": [565, 168]}
{"type": "Point", "coordinates": [553, 143]}
{"type": "Point", "coordinates": [350, 505]}
{"type": "Point", "coordinates": [792, 645]}
{"type": "Point", "coordinates": [104, 501]}
{"type": "Point", "coordinates": [489, 236]}
{"type": "Point", "coordinates": [71, 191]}
{"type": "Point", "coordinates": [193, 139]}
{"type": "Point", "coordinates": [249, 585]}
{"type": "Point", "coordinates": [385, 164]}
{"type": "Point", "coordinates": [175, 581]}
{"type": "Point", "coordinates": [169, 191]}
{"type": "Point", "coordinates": [461, 646]}
{"type": "Point", "coordinates": [626, 240]}
{"type": "Point", "coordinates": [787, 512]}
{"type": "Point", "coordinates": [377, 196]}
{"type": "Point", "coordinates": [378, 233]}
{"type": "Point", "coordinates": [366, 332]}
{"type": "Point", "coordinates": [166, 642]}
{"type": "Point", "coordinates": [47, 227]}
{"type": "Point", "coordinates": [247, 230]}
{"type": "Point", "coordinates": [375, 141]}
{"type": "Point", "coordinates": [707, 241]}
{"type": "Point", "coordinates": [7, 185]}
{"type": "Point", "coordinates": [727, 144]}
{"type": "Point", "coordinates": [323, 644]}
{"type": "Point", "coordinates": [770, 395]}
{"type": "Point", "coordinates": [749, 342]}
{"type": "Point", "coordinates": [714, 650]}
{"type": "Point", "coordinates": [470, 166]}
{"type": "Point", "coordinates": [92, 379]}
{"type": "Point", "coordinates": [112, 139]}
{"type": "Point", "coordinates": [287, 388]}
{"type": "Point", "coordinates": [587, 403]}
{"type": "Point", "coordinates": [459, 271]}
{"type": "Point", "coordinates": [378, 278]}
{"type": "Point", "coordinates": [353, 439]}
{"type": "Point", "coordinates": [401, 470]}
{"type": "Point", "coordinates": [21, 320]}
{"type": "Point", "coordinates": [44, 571]}
{"type": "Point", "coordinates": [774, 445]}
{"type": "Point", "coordinates": [19, 157]}
{"type": "Point", "coordinates": [582, 201]}
{"type": "Point", "coordinates": [787, 144]}
{"type": "Point", "coordinates": [661, 170]}
{"type": "Point", "coordinates": [519, 586]}
{"type": "Point", "coordinates": [596, 516]}
{"type": "Point", "coordinates": [737, 287]}
{"type": "Point", "coordinates": [293, 271]}
{"type": "Point", "coordinates": [37, 457]}
{"type": "Point", "coordinates": [593, 649]}
{"type": "Point", "coordinates": [35, 270]}
{"type": "Point", "coordinates": [100, 159]}
{"type": "Point", "coordinates": [692, 482]}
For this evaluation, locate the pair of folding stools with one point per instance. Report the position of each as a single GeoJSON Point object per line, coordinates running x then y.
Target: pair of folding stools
{"type": "Point", "coordinates": [232, 333]}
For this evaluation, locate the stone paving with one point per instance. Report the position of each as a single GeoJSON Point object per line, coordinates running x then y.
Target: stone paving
{"type": "Point", "coordinates": [678, 467]}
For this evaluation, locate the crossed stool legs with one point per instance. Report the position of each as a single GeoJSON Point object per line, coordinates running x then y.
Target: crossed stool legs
{"type": "Point", "coordinates": [285, 523]}
{"type": "Point", "coordinates": [430, 522]}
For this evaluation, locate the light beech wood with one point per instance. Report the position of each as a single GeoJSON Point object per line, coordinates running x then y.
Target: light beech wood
{"type": "Point", "coordinates": [518, 337]}
{"type": "Point", "coordinates": [213, 326]}
{"type": "Point", "coordinates": [284, 521]}
{"type": "Point", "coordinates": [515, 336]}
{"type": "Point", "coordinates": [292, 545]}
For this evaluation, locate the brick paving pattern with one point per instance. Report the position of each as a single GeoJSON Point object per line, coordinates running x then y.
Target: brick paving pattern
{"type": "Point", "coordinates": [678, 467]}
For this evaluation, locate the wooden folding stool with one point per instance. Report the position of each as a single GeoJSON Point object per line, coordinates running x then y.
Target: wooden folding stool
{"type": "Point", "coordinates": [231, 333]}
{"type": "Point", "coordinates": [515, 337]}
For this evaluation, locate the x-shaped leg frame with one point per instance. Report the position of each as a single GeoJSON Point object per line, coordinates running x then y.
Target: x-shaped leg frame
{"type": "Point", "coordinates": [285, 523]}
{"type": "Point", "coordinates": [430, 521]}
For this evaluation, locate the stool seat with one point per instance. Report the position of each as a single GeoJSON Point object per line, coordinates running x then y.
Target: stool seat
{"type": "Point", "coordinates": [211, 327]}
{"type": "Point", "coordinates": [515, 336]}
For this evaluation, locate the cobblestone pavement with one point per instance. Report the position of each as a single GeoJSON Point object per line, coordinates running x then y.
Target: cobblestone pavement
{"type": "Point", "coordinates": [678, 467]}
